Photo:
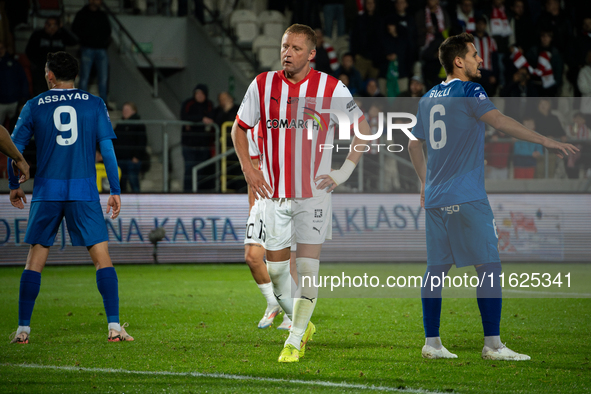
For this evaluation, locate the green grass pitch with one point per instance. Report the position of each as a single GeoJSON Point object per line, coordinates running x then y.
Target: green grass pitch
{"type": "Point", "coordinates": [195, 331]}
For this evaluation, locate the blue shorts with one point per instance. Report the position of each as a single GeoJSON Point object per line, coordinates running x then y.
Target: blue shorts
{"type": "Point", "coordinates": [85, 220]}
{"type": "Point", "coordinates": [463, 235]}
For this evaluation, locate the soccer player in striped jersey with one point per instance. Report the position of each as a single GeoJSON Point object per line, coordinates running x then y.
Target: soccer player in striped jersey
{"type": "Point", "coordinates": [67, 124]}
{"type": "Point", "coordinates": [296, 174]}
{"type": "Point", "coordinates": [459, 221]}
{"type": "Point", "coordinates": [254, 240]}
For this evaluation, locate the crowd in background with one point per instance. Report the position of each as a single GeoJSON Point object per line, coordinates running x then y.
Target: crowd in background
{"type": "Point", "coordinates": [530, 48]}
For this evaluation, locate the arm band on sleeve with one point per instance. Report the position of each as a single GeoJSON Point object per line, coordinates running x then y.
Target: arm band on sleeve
{"type": "Point", "coordinates": [13, 179]}
{"type": "Point", "coordinates": [108, 153]}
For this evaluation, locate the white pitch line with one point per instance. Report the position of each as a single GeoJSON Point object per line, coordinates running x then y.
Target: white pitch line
{"type": "Point", "coordinates": [573, 295]}
{"type": "Point", "coordinates": [343, 385]}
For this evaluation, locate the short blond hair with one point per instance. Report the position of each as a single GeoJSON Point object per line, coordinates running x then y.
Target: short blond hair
{"type": "Point", "coordinates": [305, 30]}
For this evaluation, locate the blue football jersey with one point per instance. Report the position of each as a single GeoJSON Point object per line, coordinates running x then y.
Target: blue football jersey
{"type": "Point", "coordinates": [67, 125]}
{"type": "Point", "coordinates": [448, 120]}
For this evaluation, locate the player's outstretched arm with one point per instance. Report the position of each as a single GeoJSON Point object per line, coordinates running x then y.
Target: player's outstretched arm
{"type": "Point", "coordinates": [253, 176]}
{"type": "Point", "coordinates": [415, 150]}
{"type": "Point", "coordinates": [337, 177]}
{"type": "Point", "coordinates": [515, 129]}
{"type": "Point", "coordinates": [18, 162]}
{"type": "Point", "coordinates": [114, 203]}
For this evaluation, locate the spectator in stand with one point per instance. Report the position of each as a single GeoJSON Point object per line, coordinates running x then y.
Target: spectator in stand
{"type": "Point", "coordinates": [522, 28]}
{"type": "Point", "coordinates": [432, 22]}
{"type": "Point", "coordinates": [52, 38]}
{"type": "Point", "coordinates": [347, 68]}
{"type": "Point", "coordinates": [548, 65]}
{"type": "Point", "coordinates": [406, 22]}
{"type": "Point", "coordinates": [344, 78]}
{"type": "Point", "coordinates": [326, 57]}
{"type": "Point", "coordinates": [226, 111]}
{"type": "Point", "coordinates": [578, 51]}
{"type": "Point", "coordinates": [397, 64]}
{"type": "Point", "coordinates": [196, 140]}
{"type": "Point", "coordinates": [517, 92]}
{"type": "Point", "coordinates": [333, 10]}
{"type": "Point", "coordinates": [584, 85]}
{"type": "Point", "coordinates": [130, 148]}
{"type": "Point", "coordinates": [366, 40]}
{"type": "Point", "coordinates": [578, 131]}
{"type": "Point", "coordinates": [583, 43]}
{"type": "Point", "coordinates": [372, 89]}
{"type": "Point", "coordinates": [416, 88]}
{"type": "Point", "coordinates": [497, 156]}
{"type": "Point", "coordinates": [5, 35]}
{"type": "Point", "coordinates": [487, 50]}
{"type": "Point", "coordinates": [466, 20]}
{"type": "Point", "coordinates": [14, 86]}
{"type": "Point", "coordinates": [93, 29]}
{"type": "Point", "coordinates": [520, 86]}
{"type": "Point", "coordinates": [500, 30]}
{"type": "Point", "coordinates": [526, 155]}
{"type": "Point", "coordinates": [555, 20]}
{"type": "Point", "coordinates": [549, 126]}
{"type": "Point", "coordinates": [412, 96]}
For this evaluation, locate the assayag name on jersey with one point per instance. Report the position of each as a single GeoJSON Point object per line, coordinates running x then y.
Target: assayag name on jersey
{"type": "Point", "coordinates": [62, 97]}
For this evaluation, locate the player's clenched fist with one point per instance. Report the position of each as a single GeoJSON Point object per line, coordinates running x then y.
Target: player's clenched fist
{"type": "Point", "coordinates": [18, 199]}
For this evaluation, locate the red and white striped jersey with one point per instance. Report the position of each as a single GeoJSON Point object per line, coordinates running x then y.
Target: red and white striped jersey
{"type": "Point", "coordinates": [255, 143]}
{"type": "Point", "coordinates": [290, 160]}
{"type": "Point", "coordinates": [485, 47]}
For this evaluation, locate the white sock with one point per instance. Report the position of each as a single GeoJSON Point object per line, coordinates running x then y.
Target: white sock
{"type": "Point", "coordinates": [286, 319]}
{"type": "Point", "coordinates": [115, 326]}
{"type": "Point", "coordinates": [493, 342]}
{"type": "Point", "coordinates": [281, 280]}
{"type": "Point", "coordinates": [267, 290]}
{"type": "Point", "coordinates": [26, 329]}
{"type": "Point", "coordinates": [304, 307]}
{"type": "Point", "coordinates": [434, 342]}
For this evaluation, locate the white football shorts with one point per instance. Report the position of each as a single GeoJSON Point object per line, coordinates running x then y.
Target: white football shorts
{"type": "Point", "coordinates": [291, 221]}
{"type": "Point", "coordinates": [255, 225]}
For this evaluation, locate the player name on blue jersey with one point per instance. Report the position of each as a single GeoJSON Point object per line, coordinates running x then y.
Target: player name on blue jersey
{"type": "Point", "coordinates": [440, 93]}
{"type": "Point", "coordinates": [448, 119]}
{"type": "Point", "coordinates": [62, 97]}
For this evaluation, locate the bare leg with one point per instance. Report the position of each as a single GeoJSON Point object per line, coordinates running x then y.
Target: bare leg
{"type": "Point", "coordinates": [253, 254]}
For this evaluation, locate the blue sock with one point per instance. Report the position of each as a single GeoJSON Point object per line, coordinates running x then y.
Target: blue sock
{"type": "Point", "coordinates": [29, 290]}
{"type": "Point", "coordinates": [490, 301]}
{"type": "Point", "coordinates": [107, 283]}
{"type": "Point", "coordinates": [431, 299]}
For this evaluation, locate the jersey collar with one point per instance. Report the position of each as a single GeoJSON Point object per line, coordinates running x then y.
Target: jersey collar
{"type": "Point", "coordinates": [307, 77]}
{"type": "Point", "coordinates": [453, 80]}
